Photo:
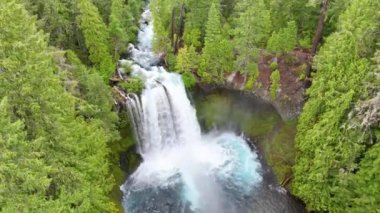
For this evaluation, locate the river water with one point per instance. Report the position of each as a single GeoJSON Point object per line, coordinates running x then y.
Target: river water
{"type": "Point", "coordinates": [183, 169]}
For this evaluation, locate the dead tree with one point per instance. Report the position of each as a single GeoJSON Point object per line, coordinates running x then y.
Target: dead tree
{"type": "Point", "coordinates": [317, 37]}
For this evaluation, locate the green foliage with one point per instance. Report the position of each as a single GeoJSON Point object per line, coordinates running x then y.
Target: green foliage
{"type": "Point", "coordinates": [133, 85]}
{"type": "Point", "coordinates": [305, 42]}
{"type": "Point", "coordinates": [94, 97]}
{"type": "Point", "coordinates": [61, 158]}
{"type": "Point", "coordinates": [192, 37]}
{"type": "Point", "coordinates": [189, 80]}
{"type": "Point", "coordinates": [24, 175]}
{"type": "Point", "coordinates": [366, 182]}
{"type": "Point", "coordinates": [300, 72]}
{"type": "Point", "coordinates": [196, 18]}
{"type": "Point", "coordinates": [96, 37]}
{"type": "Point", "coordinates": [171, 59]}
{"type": "Point", "coordinates": [333, 160]}
{"type": "Point", "coordinates": [253, 27]}
{"type": "Point", "coordinates": [303, 12]}
{"type": "Point", "coordinates": [187, 60]}
{"type": "Point", "coordinates": [213, 26]}
{"type": "Point", "coordinates": [121, 27]}
{"type": "Point", "coordinates": [275, 83]}
{"type": "Point", "coordinates": [273, 66]}
{"type": "Point", "coordinates": [55, 18]}
{"type": "Point", "coordinates": [58, 18]}
{"type": "Point", "coordinates": [217, 54]}
{"type": "Point", "coordinates": [162, 15]}
{"type": "Point", "coordinates": [284, 40]}
{"type": "Point", "coordinates": [104, 8]}
{"type": "Point", "coordinates": [253, 23]}
{"type": "Point", "coordinates": [250, 83]}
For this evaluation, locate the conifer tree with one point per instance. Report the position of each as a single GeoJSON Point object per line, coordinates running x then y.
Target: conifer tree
{"type": "Point", "coordinates": [217, 54]}
{"type": "Point", "coordinates": [183, 60]}
{"type": "Point", "coordinates": [74, 151]}
{"type": "Point", "coordinates": [253, 27]}
{"type": "Point", "coordinates": [55, 18]}
{"type": "Point", "coordinates": [162, 15]}
{"type": "Point", "coordinates": [94, 97]}
{"type": "Point", "coordinates": [121, 23]}
{"type": "Point", "coordinates": [104, 8]}
{"type": "Point", "coordinates": [333, 161]}
{"type": "Point", "coordinates": [24, 175]}
{"type": "Point", "coordinates": [284, 40]}
{"type": "Point", "coordinates": [96, 37]}
{"type": "Point", "coordinates": [187, 62]}
{"type": "Point", "coordinates": [195, 22]}
{"type": "Point", "coordinates": [274, 83]}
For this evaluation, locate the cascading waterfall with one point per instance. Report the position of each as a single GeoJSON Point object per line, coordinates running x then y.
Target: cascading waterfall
{"type": "Point", "coordinates": [182, 170]}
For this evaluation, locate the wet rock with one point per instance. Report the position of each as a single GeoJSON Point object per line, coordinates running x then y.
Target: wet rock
{"type": "Point", "coordinates": [130, 160]}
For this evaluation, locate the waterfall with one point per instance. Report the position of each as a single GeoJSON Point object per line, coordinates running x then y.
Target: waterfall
{"type": "Point", "coordinates": [182, 170]}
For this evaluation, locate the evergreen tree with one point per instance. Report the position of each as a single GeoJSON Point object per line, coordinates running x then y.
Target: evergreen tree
{"type": "Point", "coordinates": [74, 151]}
{"type": "Point", "coordinates": [183, 61]}
{"type": "Point", "coordinates": [196, 18]}
{"type": "Point", "coordinates": [253, 27]}
{"type": "Point", "coordinates": [217, 54]}
{"type": "Point", "coordinates": [121, 27]}
{"type": "Point", "coordinates": [331, 150]}
{"type": "Point", "coordinates": [55, 18]}
{"type": "Point", "coordinates": [24, 176]}
{"type": "Point", "coordinates": [187, 62]}
{"type": "Point", "coordinates": [162, 15]}
{"type": "Point", "coordinates": [104, 8]}
{"type": "Point", "coordinates": [94, 97]}
{"type": "Point", "coordinates": [284, 40]}
{"type": "Point", "coordinates": [96, 37]}
{"type": "Point", "coordinates": [274, 83]}
{"type": "Point", "coordinates": [365, 195]}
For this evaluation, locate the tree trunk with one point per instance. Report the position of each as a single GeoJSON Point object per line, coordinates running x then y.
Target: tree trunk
{"type": "Point", "coordinates": [321, 26]}
{"type": "Point", "coordinates": [180, 28]}
{"type": "Point", "coordinates": [317, 37]}
{"type": "Point", "coordinates": [173, 29]}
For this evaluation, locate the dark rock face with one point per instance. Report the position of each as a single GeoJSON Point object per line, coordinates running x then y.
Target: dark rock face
{"type": "Point", "coordinates": [130, 160]}
{"type": "Point", "coordinates": [290, 97]}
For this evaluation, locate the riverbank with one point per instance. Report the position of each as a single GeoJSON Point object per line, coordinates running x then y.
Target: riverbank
{"type": "Point", "coordinates": [289, 96]}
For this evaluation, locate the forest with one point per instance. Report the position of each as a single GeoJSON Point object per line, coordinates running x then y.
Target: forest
{"type": "Point", "coordinates": [59, 92]}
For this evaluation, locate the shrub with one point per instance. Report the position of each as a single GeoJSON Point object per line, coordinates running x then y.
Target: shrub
{"type": "Point", "coordinates": [188, 80]}
{"type": "Point", "coordinates": [275, 83]}
{"type": "Point", "coordinates": [133, 85]}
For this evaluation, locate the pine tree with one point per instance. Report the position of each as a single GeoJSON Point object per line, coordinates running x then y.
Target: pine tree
{"type": "Point", "coordinates": [24, 175]}
{"type": "Point", "coordinates": [195, 29]}
{"type": "Point", "coordinates": [183, 61]}
{"type": "Point", "coordinates": [333, 161]}
{"type": "Point", "coordinates": [55, 18]}
{"type": "Point", "coordinates": [285, 40]}
{"type": "Point", "coordinates": [274, 83]}
{"type": "Point", "coordinates": [217, 54]}
{"type": "Point", "coordinates": [187, 62]}
{"type": "Point", "coordinates": [162, 15]}
{"type": "Point", "coordinates": [96, 37]}
{"type": "Point", "coordinates": [119, 29]}
{"type": "Point", "coordinates": [70, 153]}
{"type": "Point", "coordinates": [94, 97]}
{"type": "Point", "coordinates": [104, 8]}
{"type": "Point", "coordinates": [366, 182]}
{"type": "Point", "coordinates": [253, 27]}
